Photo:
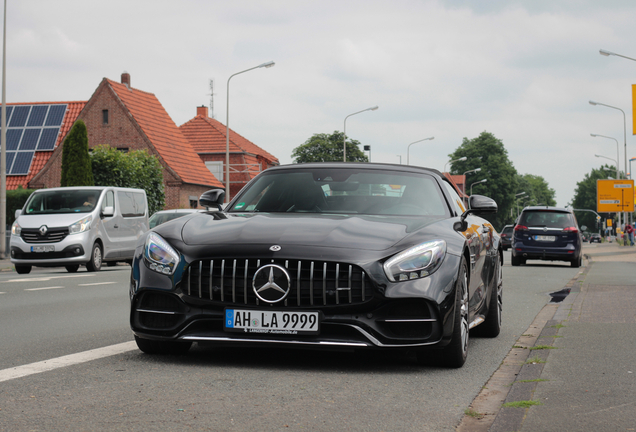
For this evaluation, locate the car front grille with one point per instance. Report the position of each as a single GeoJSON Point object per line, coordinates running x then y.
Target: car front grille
{"type": "Point", "coordinates": [53, 235]}
{"type": "Point", "coordinates": [312, 283]}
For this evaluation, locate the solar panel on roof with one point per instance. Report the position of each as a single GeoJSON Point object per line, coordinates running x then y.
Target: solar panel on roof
{"type": "Point", "coordinates": [38, 113]}
{"type": "Point", "coordinates": [56, 115]}
{"type": "Point", "coordinates": [9, 111]}
{"type": "Point", "coordinates": [19, 117]}
{"type": "Point", "coordinates": [10, 157]}
{"type": "Point", "coordinates": [13, 138]}
{"type": "Point", "coordinates": [22, 163]}
{"type": "Point", "coordinates": [48, 139]}
{"type": "Point", "coordinates": [29, 139]}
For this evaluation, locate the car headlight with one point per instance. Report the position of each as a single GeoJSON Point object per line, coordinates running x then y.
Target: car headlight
{"type": "Point", "coordinates": [416, 262]}
{"type": "Point", "coordinates": [81, 225]}
{"type": "Point", "coordinates": [159, 255]}
{"type": "Point", "coordinates": [16, 229]}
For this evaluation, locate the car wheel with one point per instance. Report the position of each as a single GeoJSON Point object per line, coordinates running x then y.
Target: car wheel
{"type": "Point", "coordinates": [72, 268]}
{"type": "Point", "coordinates": [95, 264]}
{"type": "Point", "coordinates": [492, 325]}
{"type": "Point", "coordinates": [454, 354]}
{"type": "Point", "coordinates": [23, 269]}
{"type": "Point", "coordinates": [515, 261]}
{"type": "Point", "coordinates": [162, 347]}
{"type": "Point", "coordinates": [576, 262]}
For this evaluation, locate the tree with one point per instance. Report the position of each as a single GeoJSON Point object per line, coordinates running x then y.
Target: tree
{"type": "Point", "coordinates": [488, 153]}
{"type": "Point", "coordinates": [136, 169]}
{"type": "Point", "coordinates": [537, 190]}
{"type": "Point", "coordinates": [585, 196]}
{"type": "Point", "coordinates": [328, 148]}
{"type": "Point", "coordinates": [76, 163]}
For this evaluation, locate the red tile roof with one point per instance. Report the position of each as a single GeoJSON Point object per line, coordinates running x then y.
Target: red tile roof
{"type": "Point", "coordinates": [208, 135]}
{"type": "Point", "coordinates": [459, 181]}
{"type": "Point", "coordinates": [41, 157]}
{"type": "Point", "coordinates": [165, 136]}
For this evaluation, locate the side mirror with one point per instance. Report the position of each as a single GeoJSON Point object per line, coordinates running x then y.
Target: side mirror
{"type": "Point", "coordinates": [479, 204]}
{"type": "Point", "coordinates": [18, 213]}
{"type": "Point", "coordinates": [108, 211]}
{"type": "Point", "coordinates": [212, 198]}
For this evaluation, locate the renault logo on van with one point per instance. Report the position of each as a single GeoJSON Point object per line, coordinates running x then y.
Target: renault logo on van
{"type": "Point", "coordinates": [43, 230]}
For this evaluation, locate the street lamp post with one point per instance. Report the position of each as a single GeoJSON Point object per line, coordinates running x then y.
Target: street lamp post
{"type": "Point", "coordinates": [409, 147]}
{"type": "Point", "coordinates": [344, 144]}
{"type": "Point", "coordinates": [609, 53]}
{"type": "Point", "coordinates": [227, 128]}
{"type": "Point", "coordinates": [630, 167]}
{"type": "Point", "coordinates": [461, 159]}
{"type": "Point", "coordinates": [624, 134]}
{"type": "Point", "coordinates": [517, 196]}
{"type": "Point", "coordinates": [468, 172]}
{"type": "Point", "coordinates": [617, 152]}
{"type": "Point", "coordinates": [400, 156]}
{"type": "Point", "coordinates": [471, 186]}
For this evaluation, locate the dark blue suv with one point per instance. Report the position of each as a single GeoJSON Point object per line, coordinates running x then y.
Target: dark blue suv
{"type": "Point", "coordinates": [546, 233]}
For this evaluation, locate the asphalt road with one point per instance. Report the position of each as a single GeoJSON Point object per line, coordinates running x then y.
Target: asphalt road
{"type": "Point", "coordinates": [49, 314]}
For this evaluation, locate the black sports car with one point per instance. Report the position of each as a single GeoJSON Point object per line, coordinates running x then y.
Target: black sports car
{"type": "Point", "coordinates": [333, 255]}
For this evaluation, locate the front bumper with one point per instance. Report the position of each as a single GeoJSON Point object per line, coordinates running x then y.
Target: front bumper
{"type": "Point", "coordinates": [71, 250]}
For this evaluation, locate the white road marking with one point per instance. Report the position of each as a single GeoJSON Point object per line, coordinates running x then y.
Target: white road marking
{"type": "Point", "coordinates": [48, 278]}
{"type": "Point", "coordinates": [68, 360]}
{"type": "Point", "coordinates": [44, 288]}
{"type": "Point", "coordinates": [97, 283]}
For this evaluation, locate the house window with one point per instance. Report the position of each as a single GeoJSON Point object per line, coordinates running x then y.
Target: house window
{"type": "Point", "coordinates": [194, 201]}
{"type": "Point", "coordinates": [216, 168]}
{"type": "Point", "coordinates": [105, 117]}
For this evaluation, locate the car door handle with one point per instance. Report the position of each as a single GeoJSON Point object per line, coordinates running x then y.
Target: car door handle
{"type": "Point", "coordinates": [116, 226]}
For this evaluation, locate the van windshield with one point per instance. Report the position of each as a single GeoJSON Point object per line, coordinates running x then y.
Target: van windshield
{"type": "Point", "coordinates": [62, 201]}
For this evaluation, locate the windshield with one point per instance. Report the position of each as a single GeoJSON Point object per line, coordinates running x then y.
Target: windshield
{"type": "Point", "coordinates": [62, 201]}
{"type": "Point", "coordinates": [343, 190]}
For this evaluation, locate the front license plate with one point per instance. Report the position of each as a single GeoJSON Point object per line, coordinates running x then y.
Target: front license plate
{"type": "Point", "coordinates": [42, 248]}
{"type": "Point", "coordinates": [272, 322]}
{"type": "Point", "coordinates": [544, 238]}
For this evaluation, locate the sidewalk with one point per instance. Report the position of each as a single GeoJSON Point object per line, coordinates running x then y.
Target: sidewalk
{"type": "Point", "coordinates": [575, 367]}
{"type": "Point", "coordinates": [6, 266]}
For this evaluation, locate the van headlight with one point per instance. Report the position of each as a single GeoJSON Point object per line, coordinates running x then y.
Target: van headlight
{"type": "Point", "coordinates": [416, 262]}
{"type": "Point", "coordinates": [81, 225]}
{"type": "Point", "coordinates": [16, 229]}
{"type": "Point", "coordinates": [159, 255]}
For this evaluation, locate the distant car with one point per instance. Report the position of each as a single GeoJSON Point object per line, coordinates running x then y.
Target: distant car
{"type": "Point", "coordinates": [164, 216]}
{"type": "Point", "coordinates": [595, 238]}
{"type": "Point", "coordinates": [506, 236]}
{"type": "Point", "coordinates": [547, 233]}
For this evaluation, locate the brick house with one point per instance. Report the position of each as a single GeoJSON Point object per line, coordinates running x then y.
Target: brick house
{"type": "Point", "coordinates": [130, 119]}
{"type": "Point", "coordinates": [208, 139]}
{"type": "Point", "coordinates": [34, 131]}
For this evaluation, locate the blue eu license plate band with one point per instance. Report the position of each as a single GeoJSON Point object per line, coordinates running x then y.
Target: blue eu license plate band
{"type": "Point", "coordinates": [272, 322]}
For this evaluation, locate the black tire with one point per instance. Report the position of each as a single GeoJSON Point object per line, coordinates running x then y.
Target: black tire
{"type": "Point", "coordinates": [95, 264]}
{"type": "Point", "coordinates": [491, 327]}
{"type": "Point", "coordinates": [72, 268]}
{"type": "Point", "coordinates": [23, 269]}
{"type": "Point", "coordinates": [111, 263]}
{"type": "Point", "coordinates": [576, 262]}
{"type": "Point", "coordinates": [149, 346]}
{"type": "Point", "coordinates": [514, 260]}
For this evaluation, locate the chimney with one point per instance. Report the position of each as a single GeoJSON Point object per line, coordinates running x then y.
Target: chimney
{"type": "Point", "coordinates": [125, 79]}
{"type": "Point", "coordinates": [202, 111]}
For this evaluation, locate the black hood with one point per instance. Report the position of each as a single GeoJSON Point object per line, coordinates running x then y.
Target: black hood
{"type": "Point", "coordinates": [373, 233]}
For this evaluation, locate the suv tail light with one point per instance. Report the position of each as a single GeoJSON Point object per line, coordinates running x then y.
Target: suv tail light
{"type": "Point", "coordinates": [571, 229]}
{"type": "Point", "coordinates": [521, 228]}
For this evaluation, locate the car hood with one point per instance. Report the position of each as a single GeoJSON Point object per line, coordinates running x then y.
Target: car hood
{"type": "Point", "coordinates": [374, 233]}
{"type": "Point", "coordinates": [50, 220]}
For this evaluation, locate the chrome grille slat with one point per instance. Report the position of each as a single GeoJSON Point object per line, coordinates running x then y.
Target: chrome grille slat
{"type": "Point", "coordinates": [219, 281]}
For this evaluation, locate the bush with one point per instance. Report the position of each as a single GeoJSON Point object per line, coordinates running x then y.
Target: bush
{"type": "Point", "coordinates": [15, 201]}
{"type": "Point", "coordinates": [136, 169]}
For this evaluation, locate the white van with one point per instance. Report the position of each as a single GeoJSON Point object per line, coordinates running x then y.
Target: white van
{"type": "Point", "coordinates": [73, 226]}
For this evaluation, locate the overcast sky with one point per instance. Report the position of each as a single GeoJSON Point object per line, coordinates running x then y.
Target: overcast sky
{"type": "Point", "coordinates": [522, 70]}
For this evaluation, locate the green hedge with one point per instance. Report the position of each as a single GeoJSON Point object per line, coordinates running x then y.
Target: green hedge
{"type": "Point", "coordinates": [15, 201]}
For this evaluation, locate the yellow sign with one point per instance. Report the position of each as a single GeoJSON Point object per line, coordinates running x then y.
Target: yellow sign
{"type": "Point", "coordinates": [614, 196]}
{"type": "Point", "coordinates": [608, 222]}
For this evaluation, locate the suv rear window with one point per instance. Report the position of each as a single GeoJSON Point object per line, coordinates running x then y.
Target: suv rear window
{"type": "Point", "coordinates": [546, 218]}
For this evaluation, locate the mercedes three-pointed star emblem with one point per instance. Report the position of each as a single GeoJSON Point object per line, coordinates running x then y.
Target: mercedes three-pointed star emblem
{"type": "Point", "coordinates": [271, 283]}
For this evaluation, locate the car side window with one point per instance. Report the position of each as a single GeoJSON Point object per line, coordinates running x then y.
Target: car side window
{"type": "Point", "coordinates": [109, 200]}
{"type": "Point", "coordinates": [458, 204]}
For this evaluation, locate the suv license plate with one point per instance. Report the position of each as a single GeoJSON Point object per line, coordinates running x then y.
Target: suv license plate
{"type": "Point", "coordinates": [272, 322]}
{"type": "Point", "coordinates": [42, 248]}
{"type": "Point", "coordinates": [544, 238]}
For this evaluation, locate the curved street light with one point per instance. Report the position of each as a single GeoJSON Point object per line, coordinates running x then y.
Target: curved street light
{"type": "Point", "coordinates": [461, 159]}
{"type": "Point", "coordinates": [471, 186]}
{"type": "Point", "coordinates": [468, 172]}
{"type": "Point", "coordinates": [227, 128]}
{"type": "Point", "coordinates": [609, 53]}
{"type": "Point", "coordinates": [344, 144]}
{"type": "Point", "coordinates": [409, 147]}
{"type": "Point", "coordinates": [617, 151]}
{"type": "Point", "coordinates": [517, 197]}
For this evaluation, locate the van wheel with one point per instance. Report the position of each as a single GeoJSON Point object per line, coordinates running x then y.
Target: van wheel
{"type": "Point", "coordinates": [72, 268]}
{"type": "Point", "coordinates": [95, 264]}
{"type": "Point", "coordinates": [23, 269]}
